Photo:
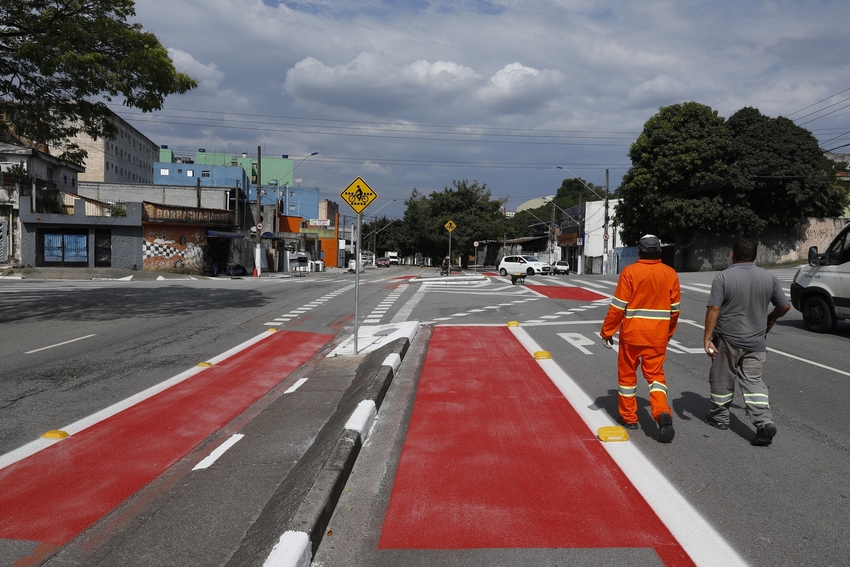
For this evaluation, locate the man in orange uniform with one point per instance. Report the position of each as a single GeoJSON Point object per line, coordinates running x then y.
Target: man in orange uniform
{"type": "Point", "coordinates": [645, 309]}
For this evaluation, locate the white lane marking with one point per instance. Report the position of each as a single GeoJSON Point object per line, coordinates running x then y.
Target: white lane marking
{"type": "Point", "coordinates": [782, 353]}
{"type": "Point", "coordinates": [295, 386]}
{"type": "Point", "coordinates": [219, 451]}
{"type": "Point", "coordinates": [812, 362]}
{"type": "Point", "coordinates": [692, 288]}
{"type": "Point", "coordinates": [60, 344]}
{"type": "Point", "coordinates": [696, 536]}
{"type": "Point", "coordinates": [591, 284]}
{"type": "Point", "coordinates": [535, 323]}
{"type": "Point", "coordinates": [578, 340]}
{"type": "Point", "coordinates": [34, 447]}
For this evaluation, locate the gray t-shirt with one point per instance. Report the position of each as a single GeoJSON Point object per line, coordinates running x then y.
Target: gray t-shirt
{"type": "Point", "coordinates": [744, 293]}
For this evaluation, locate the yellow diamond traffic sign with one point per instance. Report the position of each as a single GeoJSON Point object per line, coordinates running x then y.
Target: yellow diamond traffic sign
{"type": "Point", "coordinates": [450, 226]}
{"type": "Point", "coordinates": [358, 195]}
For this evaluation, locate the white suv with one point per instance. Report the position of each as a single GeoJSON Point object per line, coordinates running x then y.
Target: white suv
{"type": "Point", "coordinates": [528, 265]}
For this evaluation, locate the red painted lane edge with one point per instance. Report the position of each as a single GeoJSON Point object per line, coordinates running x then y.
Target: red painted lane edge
{"type": "Point", "coordinates": [564, 292]}
{"type": "Point", "coordinates": [495, 457]}
{"type": "Point", "coordinates": [55, 494]}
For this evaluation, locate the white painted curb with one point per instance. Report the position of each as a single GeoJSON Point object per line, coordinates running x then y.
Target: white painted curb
{"type": "Point", "coordinates": [292, 550]}
{"type": "Point", "coordinates": [362, 418]}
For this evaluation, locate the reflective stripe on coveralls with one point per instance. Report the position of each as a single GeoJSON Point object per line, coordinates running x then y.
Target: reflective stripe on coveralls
{"type": "Point", "coordinates": [760, 400]}
{"type": "Point", "coordinates": [628, 391]}
{"type": "Point", "coordinates": [658, 387]}
{"type": "Point", "coordinates": [721, 399]}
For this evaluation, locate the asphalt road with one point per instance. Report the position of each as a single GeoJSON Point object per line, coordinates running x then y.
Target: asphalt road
{"type": "Point", "coordinates": [70, 349]}
{"type": "Point", "coordinates": [781, 505]}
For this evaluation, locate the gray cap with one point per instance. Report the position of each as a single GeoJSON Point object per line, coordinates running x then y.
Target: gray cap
{"type": "Point", "coordinates": [649, 243]}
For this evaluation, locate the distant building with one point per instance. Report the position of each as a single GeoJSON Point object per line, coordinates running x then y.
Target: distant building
{"type": "Point", "coordinates": [535, 203]}
{"type": "Point", "coordinates": [129, 158]}
{"type": "Point", "coordinates": [585, 241]}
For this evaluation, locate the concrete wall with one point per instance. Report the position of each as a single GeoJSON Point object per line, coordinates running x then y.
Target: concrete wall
{"type": "Point", "coordinates": [705, 251]}
{"type": "Point", "coordinates": [180, 196]}
{"type": "Point", "coordinates": [126, 247]}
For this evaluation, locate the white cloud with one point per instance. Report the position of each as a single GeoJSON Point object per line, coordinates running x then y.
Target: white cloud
{"type": "Point", "coordinates": [661, 90]}
{"type": "Point", "coordinates": [399, 86]}
{"type": "Point", "coordinates": [370, 84]}
{"type": "Point", "coordinates": [208, 76]}
{"type": "Point", "coordinates": [517, 89]}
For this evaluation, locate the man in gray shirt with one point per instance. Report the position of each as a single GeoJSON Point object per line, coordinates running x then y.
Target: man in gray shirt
{"type": "Point", "coordinates": [736, 325]}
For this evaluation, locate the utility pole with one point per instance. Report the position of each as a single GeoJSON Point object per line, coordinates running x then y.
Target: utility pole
{"type": "Point", "coordinates": [257, 224]}
{"type": "Point", "coordinates": [552, 232]}
{"type": "Point", "coordinates": [605, 235]}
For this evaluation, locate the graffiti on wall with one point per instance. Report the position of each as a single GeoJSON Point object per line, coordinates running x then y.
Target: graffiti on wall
{"type": "Point", "coordinates": [174, 248]}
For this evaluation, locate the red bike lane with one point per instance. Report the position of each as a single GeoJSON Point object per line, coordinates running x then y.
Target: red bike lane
{"type": "Point", "coordinates": [496, 457]}
{"type": "Point", "coordinates": [56, 493]}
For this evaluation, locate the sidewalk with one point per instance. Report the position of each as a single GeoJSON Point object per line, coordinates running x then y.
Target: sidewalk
{"type": "Point", "coordinates": [84, 274]}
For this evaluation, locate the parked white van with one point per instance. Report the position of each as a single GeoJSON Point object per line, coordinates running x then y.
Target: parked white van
{"type": "Point", "coordinates": [821, 290]}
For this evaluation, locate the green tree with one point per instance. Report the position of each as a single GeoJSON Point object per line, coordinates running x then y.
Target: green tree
{"type": "Point", "coordinates": [774, 174]}
{"type": "Point", "coordinates": [471, 208]}
{"type": "Point", "coordinates": [576, 190]}
{"type": "Point", "coordinates": [381, 234]}
{"type": "Point", "coordinates": [61, 59]}
{"type": "Point", "coordinates": [679, 162]}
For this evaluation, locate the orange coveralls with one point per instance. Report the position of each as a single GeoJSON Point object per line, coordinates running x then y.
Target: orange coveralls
{"type": "Point", "coordinates": [645, 309]}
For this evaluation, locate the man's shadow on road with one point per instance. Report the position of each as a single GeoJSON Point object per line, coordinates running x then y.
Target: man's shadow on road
{"type": "Point", "coordinates": [688, 406]}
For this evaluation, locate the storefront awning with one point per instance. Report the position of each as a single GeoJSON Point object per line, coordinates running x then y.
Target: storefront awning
{"type": "Point", "coordinates": [219, 234]}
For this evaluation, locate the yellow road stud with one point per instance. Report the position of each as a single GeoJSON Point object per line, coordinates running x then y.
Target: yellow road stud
{"type": "Point", "coordinates": [55, 434]}
{"type": "Point", "coordinates": [612, 433]}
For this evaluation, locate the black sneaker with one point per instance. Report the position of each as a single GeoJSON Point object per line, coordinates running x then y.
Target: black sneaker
{"type": "Point", "coordinates": [716, 424]}
{"type": "Point", "coordinates": [665, 428]}
{"type": "Point", "coordinates": [632, 425]}
{"type": "Point", "coordinates": [764, 435]}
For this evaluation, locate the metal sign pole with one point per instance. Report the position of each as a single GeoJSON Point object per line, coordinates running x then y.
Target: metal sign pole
{"type": "Point", "coordinates": [357, 283]}
{"type": "Point", "coordinates": [358, 195]}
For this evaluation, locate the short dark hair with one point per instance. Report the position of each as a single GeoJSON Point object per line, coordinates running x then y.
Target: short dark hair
{"type": "Point", "coordinates": [745, 249]}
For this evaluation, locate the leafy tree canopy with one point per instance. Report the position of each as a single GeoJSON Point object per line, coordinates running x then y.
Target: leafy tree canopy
{"type": "Point", "coordinates": [692, 170]}
{"type": "Point", "coordinates": [61, 59]}
{"type": "Point", "coordinates": [468, 205]}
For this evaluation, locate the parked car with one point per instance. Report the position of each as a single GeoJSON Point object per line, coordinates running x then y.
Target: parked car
{"type": "Point", "coordinates": [523, 265]}
{"type": "Point", "coordinates": [821, 289]}
{"type": "Point", "coordinates": [561, 267]}
{"type": "Point", "coordinates": [383, 262]}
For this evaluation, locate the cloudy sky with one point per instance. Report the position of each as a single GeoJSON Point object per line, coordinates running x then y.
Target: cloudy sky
{"type": "Point", "coordinates": [420, 93]}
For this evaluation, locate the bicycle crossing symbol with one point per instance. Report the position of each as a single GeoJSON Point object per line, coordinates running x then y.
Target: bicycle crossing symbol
{"type": "Point", "coordinates": [358, 195]}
